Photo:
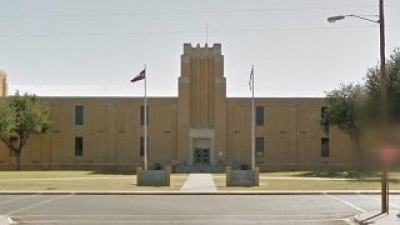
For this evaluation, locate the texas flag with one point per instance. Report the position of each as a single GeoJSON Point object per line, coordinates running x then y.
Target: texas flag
{"type": "Point", "coordinates": [140, 76]}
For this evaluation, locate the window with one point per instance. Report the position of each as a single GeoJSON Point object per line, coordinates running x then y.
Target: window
{"type": "Point", "coordinates": [142, 115]}
{"type": "Point", "coordinates": [324, 110]}
{"type": "Point", "coordinates": [325, 120]}
{"type": "Point", "coordinates": [79, 114]}
{"type": "Point", "coordinates": [259, 146]}
{"type": "Point", "coordinates": [13, 141]}
{"type": "Point", "coordinates": [78, 146]}
{"type": "Point", "coordinates": [260, 115]}
{"type": "Point", "coordinates": [141, 148]}
{"type": "Point", "coordinates": [324, 147]}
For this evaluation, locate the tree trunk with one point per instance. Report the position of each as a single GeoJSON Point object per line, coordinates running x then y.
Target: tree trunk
{"type": "Point", "coordinates": [356, 139]}
{"type": "Point", "coordinates": [18, 160]}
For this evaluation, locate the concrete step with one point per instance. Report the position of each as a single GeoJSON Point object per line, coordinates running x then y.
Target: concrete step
{"type": "Point", "coordinates": [199, 169]}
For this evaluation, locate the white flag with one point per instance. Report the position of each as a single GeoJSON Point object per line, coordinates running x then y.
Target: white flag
{"type": "Point", "coordinates": [251, 78]}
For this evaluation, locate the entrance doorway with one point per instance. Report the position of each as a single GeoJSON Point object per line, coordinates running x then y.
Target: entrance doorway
{"type": "Point", "coordinates": [201, 156]}
{"type": "Point", "coordinates": [201, 152]}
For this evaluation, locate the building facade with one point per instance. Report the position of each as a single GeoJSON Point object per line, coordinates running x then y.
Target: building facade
{"type": "Point", "coordinates": [201, 126]}
{"type": "Point", "coordinates": [3, 83]}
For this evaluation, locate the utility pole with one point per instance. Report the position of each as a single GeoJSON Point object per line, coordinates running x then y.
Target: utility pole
{"type": "Point", "coordinates": [383, 99]}
{"type": "Point", "coordinates": [384, 111]}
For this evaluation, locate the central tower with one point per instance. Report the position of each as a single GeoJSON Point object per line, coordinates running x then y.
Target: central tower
{"type": "Point", "coordinates": [201, 109]}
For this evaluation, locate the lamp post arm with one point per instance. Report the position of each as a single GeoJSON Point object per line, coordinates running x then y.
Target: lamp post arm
{"type": "Point", "coordinates": [363, 18]}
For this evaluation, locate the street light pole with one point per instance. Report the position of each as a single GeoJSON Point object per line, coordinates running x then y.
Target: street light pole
{"type": "Point", "coordinates": [383, 80]}
{"type": "Point", "coordinates": [383, 102]}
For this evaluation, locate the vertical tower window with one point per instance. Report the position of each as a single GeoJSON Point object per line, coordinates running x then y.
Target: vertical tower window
{"type": "Point", "coordinates": [260, 115]}
{"type": "Point", "coordinates": [324, 147]}
{"type": "Point", "coordinates": [142, 115]}
{"type": "Point", "coordinates": [79, 114]}
{"type": "Point", "coordinates": [78, 146]}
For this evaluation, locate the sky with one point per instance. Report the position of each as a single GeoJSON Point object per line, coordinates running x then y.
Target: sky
{"type": "Point", "coordinates": [94, 47]}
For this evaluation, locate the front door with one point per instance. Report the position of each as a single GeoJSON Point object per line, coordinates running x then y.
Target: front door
{"type": "Point", "coordinates": [201, 156]}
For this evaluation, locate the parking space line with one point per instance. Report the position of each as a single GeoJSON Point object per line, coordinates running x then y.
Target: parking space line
{"type": "Point", "coordinates": [36, 204]}
{"type": "Point", "coordinates": [16, 199]}
{"type": "Point", "coordinates": [345, 202]}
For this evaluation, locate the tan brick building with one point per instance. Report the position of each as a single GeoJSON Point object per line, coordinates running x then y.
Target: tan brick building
{"type": "Point", "coordinates": [199, 127]}
{"type": "Point", "coordinates": [3, 83]}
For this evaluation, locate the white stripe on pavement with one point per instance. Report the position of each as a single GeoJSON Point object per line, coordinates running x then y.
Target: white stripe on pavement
{"type": "Point", "coordinates": [36, 204]}
{"type": "Point", "coordinates": [16, 199]}
{"type": "Point", "coordinates": [345, 202]}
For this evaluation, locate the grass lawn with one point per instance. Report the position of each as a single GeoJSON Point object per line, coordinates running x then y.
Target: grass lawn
{"type": "Point", "coordinates": [78, 180]}
{"type": "Point", "coordinates": [97, 181]}
{"type": "Point", "coordinates": [332, 174]}
{"type": "Point", "coordinates": [309, 180]}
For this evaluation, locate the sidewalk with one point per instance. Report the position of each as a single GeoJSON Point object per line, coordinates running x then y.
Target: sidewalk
{"type": "Point", "coordinates": [199, 183]}
{"type": "Point", "coordinates": [376, 218]}
{"type": "Point", "coordinates": [4, 220]}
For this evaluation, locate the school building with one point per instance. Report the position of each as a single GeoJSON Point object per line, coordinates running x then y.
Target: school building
{"type": "Point", "coordinates": [200, 128]}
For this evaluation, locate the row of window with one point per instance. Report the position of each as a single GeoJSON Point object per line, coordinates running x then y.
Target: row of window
{"type": "Point", "coordinates": [79, 146]}
{"type": "Point", "coordinates": [79, 115]}
{"type": "Point", "coordinates": [259, 142]}
{"type": "Point", "coordinates": [324, 146]}
{"type": "Point", "coordinates": [80, 112]}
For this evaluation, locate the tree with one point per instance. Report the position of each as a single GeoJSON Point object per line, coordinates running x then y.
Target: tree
{"type": "Point", "coordinates": [345, 107]}
{"type": "Point", "coordinates": [353, 108]}
{"type": "Point", "coordinates": [372, 84]}
{"type": "Point", "coordinates": [20, 117]}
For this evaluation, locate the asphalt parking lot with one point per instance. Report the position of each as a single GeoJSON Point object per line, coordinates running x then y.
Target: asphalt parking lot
{"type": "Point", "coordinates": [188, 209]}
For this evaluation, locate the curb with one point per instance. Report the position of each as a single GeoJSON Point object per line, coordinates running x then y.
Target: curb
{"type": "Point", "coordinates": [358, 220]}
{"type": "Point", "coordinates": [376, 217]}
{"type": "Point", "coordinates": [246, 192]}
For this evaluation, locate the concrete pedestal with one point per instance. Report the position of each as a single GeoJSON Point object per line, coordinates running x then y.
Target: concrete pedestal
{"type": "Point", "coordinates": [153, 177]}
{"type": "Point", "coordinates": [242, 177]}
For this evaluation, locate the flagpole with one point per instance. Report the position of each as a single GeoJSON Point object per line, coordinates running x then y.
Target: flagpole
{"type": "Point", "coordinates": [145, 119]}
{"type": "Point", "coordinates": [252, 120]}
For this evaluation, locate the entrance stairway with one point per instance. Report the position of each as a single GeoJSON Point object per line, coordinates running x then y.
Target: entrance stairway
{"type": "Point", "coordinates": [199, 168]}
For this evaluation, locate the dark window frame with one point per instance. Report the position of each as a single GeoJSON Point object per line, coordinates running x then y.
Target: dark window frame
{"type": "Point", "coordinates": [78, 146]}
{"type": "Point", "coordinates": [260, 146]}
{"type": "Point", "coordinates": [79, 115]}
{"type": "Point", "coordinates": [142, 115]}
{"type": "Point", "coordinates": [141, 146]}
{"type": "Point", "coordinates": [325, 150]}
{"type": "Point", "coordinates": [260, 115]}
{"type": "Point", "coordinates": [323, 111]}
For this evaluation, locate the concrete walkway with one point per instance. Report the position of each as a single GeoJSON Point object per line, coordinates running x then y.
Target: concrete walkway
{"type": "Point", "coordinates": [4, 220]}
{"type": "Point", "coordinates": [199, 182]}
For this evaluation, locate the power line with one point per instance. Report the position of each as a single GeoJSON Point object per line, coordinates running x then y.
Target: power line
{"type": "Point", "coordinates": [158, 33]}
{"type": "Point", "coordinates": [182, 13]}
